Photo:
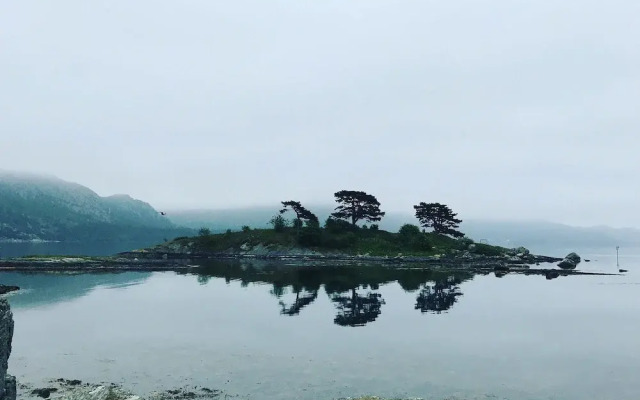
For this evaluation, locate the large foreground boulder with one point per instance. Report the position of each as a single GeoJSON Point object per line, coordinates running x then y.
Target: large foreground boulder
{"type": "Point", "coordinates": [571, 261]}
{"type": "Point", "coordinates": [7, 382]}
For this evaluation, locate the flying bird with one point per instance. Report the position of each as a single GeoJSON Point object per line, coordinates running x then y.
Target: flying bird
{"type": "Point", "coordinates": [163, 213]}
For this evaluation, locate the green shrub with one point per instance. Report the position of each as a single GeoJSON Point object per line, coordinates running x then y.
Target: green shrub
{"type": "Point", "coordinates": [487, 250]}
{"type": "Point", "coordinates": [310, 237]}
{"type": "Point", "coordinates": [246, 228]}
{"type": "Point", "coordinates": [341, 241]}
{"type": "Point", "coordinates": [297, 223]}
{"type": "Point", "coordinates": [409, 230]}
{"type": "Point", "coordinates": [204, 232]}
{"type": "Point", "coordinates": [374, 227]}
{"type": "Point", "coordinates": [313, 223]}
{"type": "Point", "coordinates": [279, 223]}
{"type": "Point", "coordinates": [463, 243]}
{"type": "Point", "coordinates": [334, 225]}
{"type": "Point", "coordinates": [420, 242]}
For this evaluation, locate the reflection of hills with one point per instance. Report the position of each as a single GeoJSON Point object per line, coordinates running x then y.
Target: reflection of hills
{"type": "Point", "coordinates": [353, 289]}
{"type": "Point", "coordinates": [39, 289]}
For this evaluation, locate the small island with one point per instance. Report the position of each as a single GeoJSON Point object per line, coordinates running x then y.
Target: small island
{"type": "Point", "coordinates": [349, 236]}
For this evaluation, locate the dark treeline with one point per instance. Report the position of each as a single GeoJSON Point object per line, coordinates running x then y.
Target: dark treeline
{"type": "Point", "coordinates": [356, 206]}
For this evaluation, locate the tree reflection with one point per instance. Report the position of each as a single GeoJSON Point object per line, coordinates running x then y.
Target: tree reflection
{"type": "Point", "coordinates": [278, 289]}
{"type": "Point", "coordinates": [440, 296]}
{"type": "Point", "coordinates": [353, 289]}
{"type": "Point", "coordinates": [303, 299]}
{"type": "Point", "coordinates": [355, 309]}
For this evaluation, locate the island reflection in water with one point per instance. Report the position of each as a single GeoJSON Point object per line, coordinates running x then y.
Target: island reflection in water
{"type": "Point", "coordinates": [352, 289]}
{"type": "Point", "coordinates": [283, 332]}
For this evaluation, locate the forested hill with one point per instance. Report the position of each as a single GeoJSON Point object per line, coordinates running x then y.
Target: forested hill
{"type": "Point", "coordinates": [38, 207]}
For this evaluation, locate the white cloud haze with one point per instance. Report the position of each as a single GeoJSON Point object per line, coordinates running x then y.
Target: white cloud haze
{"type": "Point", "coordinates": [501, 109]}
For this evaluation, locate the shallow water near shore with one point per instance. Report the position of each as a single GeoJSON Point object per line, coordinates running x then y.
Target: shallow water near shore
{"type": "Point", "coordinates": [292, 332]}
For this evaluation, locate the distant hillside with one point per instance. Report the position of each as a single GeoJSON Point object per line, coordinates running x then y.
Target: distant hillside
{"type": "Point", "coordinates": [223, 219]}
{"type": "Point", "coordinates": [543, 234]}
{"type": "Point", "coordinates": [531, 234]}
{"type": "Point", "coordinates": [38, 207]}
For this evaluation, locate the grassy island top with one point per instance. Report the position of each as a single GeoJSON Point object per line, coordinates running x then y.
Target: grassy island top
{"type": "Point", "coordinates": [342, 234]}
{"type": "Point", "coordinates": [340, 238]}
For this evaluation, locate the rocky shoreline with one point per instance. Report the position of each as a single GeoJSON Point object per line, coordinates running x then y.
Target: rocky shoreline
{"type": "Point", "coordinates": [161, 258]}
{"type": "Point", "coordinates": [151, 261]}
{"type": "Point", "coordinates": [77, 390]}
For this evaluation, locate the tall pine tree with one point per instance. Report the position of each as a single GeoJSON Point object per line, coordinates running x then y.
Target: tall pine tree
{"type": "Point", "coordinates": [355, 206]}
{"type": "Point", "coordinates": [439, 217]}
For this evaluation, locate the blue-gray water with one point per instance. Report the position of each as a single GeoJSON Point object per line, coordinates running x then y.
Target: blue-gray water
{"type": "Point", "coordinates": [516, 337]}
{"type": "Point", "coordinates": [21, 249]}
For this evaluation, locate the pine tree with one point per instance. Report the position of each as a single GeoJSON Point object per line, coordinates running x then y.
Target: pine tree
{"type": "Point", "coordinates": [355, 206]}
{"type": "Point", "coordinates": [439, 217]}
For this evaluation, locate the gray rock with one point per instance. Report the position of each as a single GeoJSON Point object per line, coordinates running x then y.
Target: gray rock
{"type": "Point", "coordinates": [45, 393]}
{"type": "Point", "coordinates": [522, 250]}
{"type": "Point", "coordinates": [7, 382]}
{"type": "Point", "coordinates": [99, 393]}
{"type": "Point", "coordinates": [573, 257]}
{"type": "Point", "coordinates": [10, 392]}
{"type": "Point", "coordinates": [472, 247]}
{"type": "Point", "coordinates": [7, 289]}
{"type": "Point", "coordinates": [571, 261]}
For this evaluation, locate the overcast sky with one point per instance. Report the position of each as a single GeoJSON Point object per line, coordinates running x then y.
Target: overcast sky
{"type": "Point", "coordinates": [501, 109]}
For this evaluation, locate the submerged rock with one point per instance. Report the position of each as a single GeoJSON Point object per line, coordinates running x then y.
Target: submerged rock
{"type": "Point", "coordinates": [571, 261]}
{"type": "Point", "coordinates": [43, 392]}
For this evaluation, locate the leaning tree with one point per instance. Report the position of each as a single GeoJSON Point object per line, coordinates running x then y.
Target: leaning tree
{"type": "Point", "coordinates": [439, 217]}
{"type": "Point", "coordinates": [356, 206]}
{"type": "Point", "coordinates": [302, 214]}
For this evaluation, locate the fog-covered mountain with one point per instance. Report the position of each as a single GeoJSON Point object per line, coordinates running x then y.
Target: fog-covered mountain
{"type": "Point", "coordinates": [532, 234]}
{"type": "Point", "coordinates": [40, 207]}
{"type": "Point", "coordinates": [543, 234]}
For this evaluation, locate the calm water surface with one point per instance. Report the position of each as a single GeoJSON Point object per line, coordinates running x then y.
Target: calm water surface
{"type": "Point", "coordinates": [292, 332]}
{"type": "Point", "coordinates": [22, 249]}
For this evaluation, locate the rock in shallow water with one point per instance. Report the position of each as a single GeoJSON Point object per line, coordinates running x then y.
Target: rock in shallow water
{"type": "Point", "coordinates": [43, 392]}
{"type": "Point", "coordinates": [571, 261]}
